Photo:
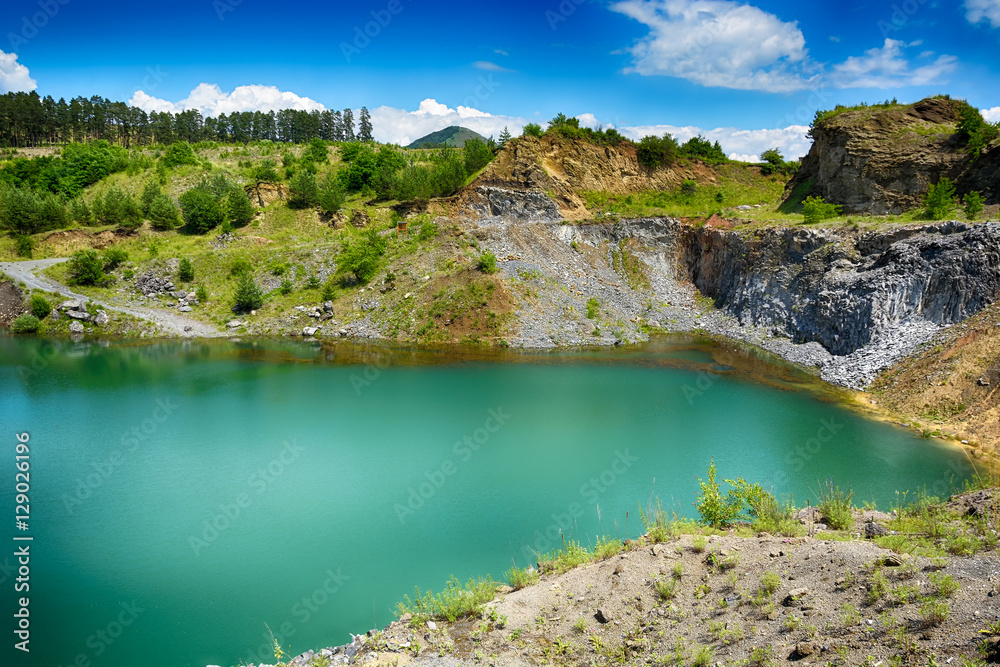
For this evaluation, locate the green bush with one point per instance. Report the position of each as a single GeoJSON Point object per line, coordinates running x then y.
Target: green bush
{"type": "Point", "coordinates": [477, 155]}
{"type": "Point", "coordinates": [532, 130]}
{"type": "Point", "coordinates": [239, 267]}
{"type": "Point", "coordinates": [185, 270]}
{"type": "Point", "coordinates": [239, 210]}
{"type": "Point", "coordinates": [835, 506]}
{"type": "Point", "coordinates": [973, 127]}
{"type": "Point", "coordinates": [363, 256]}
{"type": "Point", "coordinates": [454, 602]}
{"type": "Point", "coordinates": [179, 152]}
{"type": "Point", "coordinates": [715, 509]}
{"type": "Point", "coordinates": [86, 268]}
{"type": "Point", "coordinates": [120, 208]}
{"type": "Point", "coordinates": [331, 194]}
{"type": "Point", "coordinates": [701, 148]}
{"type": "Point", "coordinates": [939, 200]}
{"type": "Point", "coordinates": [201, 211]}
{"type": "Point", "coordinates": [40, 306]}
{"type": "Point", "coordinates": [317, 151]}
{"type": "Point", "coordinates": [488, 262]}
{"type": "Point", "coordinates": [653, 152]}
{"type": "Point", "coordinates": [973, 205]}
{"type": "Point", "coordinates": [593, 308]}
{"type": "Point", "coordinates": [248, 295]}
{"type": "Point", "coordinates": [113, 258]}
{"type": "Point", "coordinates": [428, 230]}
{"type": "Point", "coordinates": [201, 293]}
{"type": "Point", "coordinates": [163, 213]}
{"type": "Point", "coordinates": [688, 186]}
{"type": "Point", "coordinates": [23, 245]}
{"type": "Point", "coordinates": [303, 191]}
{"type": "Point", "coordinates": [816, 209]}
{"type": "Point", "coordinates": [26, 323]}
{"type": "Point", "coordinates": [149, 193]}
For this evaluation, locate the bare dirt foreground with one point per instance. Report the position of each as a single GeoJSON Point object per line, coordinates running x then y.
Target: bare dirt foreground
{"type": "Point", "coordinates": [173, 323]}
{"type": "Point", "coordinates": [829, 598]}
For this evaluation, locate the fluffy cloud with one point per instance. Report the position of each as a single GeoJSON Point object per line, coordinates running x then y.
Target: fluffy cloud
{"type": "Point", "coordinates": [992, 115]}
{"type": "Point", "coordinates": [399, 126]}
{"type": "Point", "coordinates": [983, 10]}
{"type": "Point", "coordinates": [886, 67]}
{"type": "Point", "coordinates": [212, 101]}
{"type": "Point", "coordinates": [745, 145]}
{"type": "Point", "coordinates": [488, 66]}
{"type": "Point", "coordinates": [13, 75]}
{"type": "Point", "coordinates": [718, 43]}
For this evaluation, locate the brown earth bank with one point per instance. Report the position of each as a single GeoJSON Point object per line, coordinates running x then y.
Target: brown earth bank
{"type": "Point", "coordinates": [915, 587]}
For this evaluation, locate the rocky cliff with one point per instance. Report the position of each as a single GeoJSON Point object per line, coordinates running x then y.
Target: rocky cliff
{"type": "Point", "coordinates": [563, 168]}
{"type": "Point", "coordinates": [882, 160]}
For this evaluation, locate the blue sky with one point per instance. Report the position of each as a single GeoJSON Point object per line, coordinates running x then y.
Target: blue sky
{"type": "Point", "coordinates": [748, 74]}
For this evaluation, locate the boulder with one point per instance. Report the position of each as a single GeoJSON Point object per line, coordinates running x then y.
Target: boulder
{"type": "Point", "coordinates": [360, 219]}
{"type": "Point", "coordinates": [71, 304]}
{"type": "Point", "coordinates": [185, 309]}
{"type": "Point", "coordinates": [75, 327]}
{"type": "Point", "coordinates": [310, 331]}
{"type": "Point", "coordinates": [101, 318]}
{"type": "Point", "coordinates": [78, 315]}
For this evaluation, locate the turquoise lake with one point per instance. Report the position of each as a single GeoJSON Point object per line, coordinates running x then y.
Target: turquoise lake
{"type": "Point", "coordinates": [183, 494]}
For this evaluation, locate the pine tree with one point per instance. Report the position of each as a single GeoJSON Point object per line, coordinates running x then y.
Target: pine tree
{"type": "Point", "coordinates": [348, 125]}
{"type": "Point", "coordinates": [338, 126]}
{"type": "Point", "coordinates": [365, 122]}
{"type": "Point", "coordinates": [504, 137]}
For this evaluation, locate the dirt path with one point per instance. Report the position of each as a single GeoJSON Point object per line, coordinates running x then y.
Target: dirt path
{"type": "Point", "coordinates": [172, 323]}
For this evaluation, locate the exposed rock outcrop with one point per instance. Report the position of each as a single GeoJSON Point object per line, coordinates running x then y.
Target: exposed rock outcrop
{"type": "Point", "coordinates": [263, 194]}
{"type": "Point", "coordinates": [11, 303]}
{"type": "Point", "coordinates": [881, 161]}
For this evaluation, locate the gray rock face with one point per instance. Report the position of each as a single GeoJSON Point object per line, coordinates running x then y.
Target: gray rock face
{"type": "Point", "coordinates": [71, 304]}
{"type": "Point", "coordinates": [527, 205]}
{"type": "Point", "coordinates": [845, 292]}
{"type": "Point", "coordinates": [101, 318]}
{"type": "Point", "coordinates": [78, 315]}
{"type": "Point", "coordinates": [75, 327]}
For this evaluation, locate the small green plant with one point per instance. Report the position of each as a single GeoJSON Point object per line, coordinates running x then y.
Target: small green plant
{"type": "Point", "coordinates": [878, 587]}
{"type": "Point", "coordinates": [606, 548]}
{"type": "Point", "coordinates": [239, 266]}
{"type": "Point", "coordinates": [972, 203]}
{"type": "Point", "coordinates": [944, 584]}
{"type": "Point", "coordinates": [849, 615]}
{"type": "Point", "coordinates": [185, 270]}
{"type": "Point", "coordinates": [40, 306]}
{"type": "Point", "coordinates": [248, 295]}
{"type": "Point", "coordinates": [816, 209]}
{"type": "Point", "coordinates": [702, 656]}
{"type": "Point", "coordinates": [26, 323]}
{"type": "Point", "coordinates": [454, 602]}
{"type": "Point", "coordinates": [667, 588]}
{"type": "Point", "coordinates": [762, 656]}
{"type": "Point", "coordinates": [715, 509]}
{"type": "Point", "coordinates": [519, 578]}
{"type": "Point", "coordinates": [654, 519]}
{"type": "Point", "coordinates": [791, 623]}
{"type": "Point", "coordinates": [940, 199]}
{"type": "Point", "coordinates": [769, 582]}
{"type": "Point", "coordinates": [488, 262]}
{"type": "Point", "coordinates": [113, 258]}
{"type": "Point", "coordinates": [86, 268]}
{"type": "Point", "coordinates": [580, 626]}
{"type": "Point", "coordinates": [593, 308]}
{"type": "Point", "coordinates": [201, 293]}
{"type": "Point", "coordinates": [835, 506]}
{"type": "Point", "coordinates": [286, 286]}
{"type": "Point", "coordinates": [934, 612]}
{"type": "Point", "coordinates": [698, 543]}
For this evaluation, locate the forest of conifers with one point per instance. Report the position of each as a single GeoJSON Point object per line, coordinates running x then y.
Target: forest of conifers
{"type": "Point", "coordinates": [28, 120]}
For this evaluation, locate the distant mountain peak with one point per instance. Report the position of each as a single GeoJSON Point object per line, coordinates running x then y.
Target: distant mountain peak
{"type": "Point", "coordinates": [454, 136]}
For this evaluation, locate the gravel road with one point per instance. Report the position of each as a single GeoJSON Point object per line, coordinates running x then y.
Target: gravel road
{"type": "Point", "coordinates": [171, 323]}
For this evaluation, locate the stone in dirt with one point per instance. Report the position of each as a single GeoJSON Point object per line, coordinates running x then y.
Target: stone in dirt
{"type": "Point", "coordinates": [602, 616]}
{"type": "Point", "coordinates": [310, 331]}
{"type": "Point", "coordinates": [794, 596]}
{"type": "Point", "coordinates": [873, 530]}
{"type": "Point", "coordinates": [804, 649]}
{"type": "Point", "coordinates": [232, 324]}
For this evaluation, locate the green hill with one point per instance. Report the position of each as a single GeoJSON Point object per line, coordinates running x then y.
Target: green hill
{"type": "Point", "coordinates": [453, 136]}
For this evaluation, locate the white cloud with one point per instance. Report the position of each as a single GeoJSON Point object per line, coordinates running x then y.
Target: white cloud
{"type": "Point", "coordinates": [992, 115]}
{"type": "Point", "coordinates": [399, 126]}
{"type": "Point", "coordinates": [886, 67]}
{"type": "Point", "coordinates": [719, 43]}
{"type": "Point", "coordinates": [983, 10]}
{"type": "Point", "coordinates": [489, 66]}
{"type": "Point", "coordinates": [738, 144]}
{"type": "Point", "coordinates": [212, 101]}
{"type": "Point", "coordinates": [13, 75]}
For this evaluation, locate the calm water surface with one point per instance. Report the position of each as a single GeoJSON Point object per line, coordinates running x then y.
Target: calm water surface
{"type": "Point", "coordinates": [185, 494]}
